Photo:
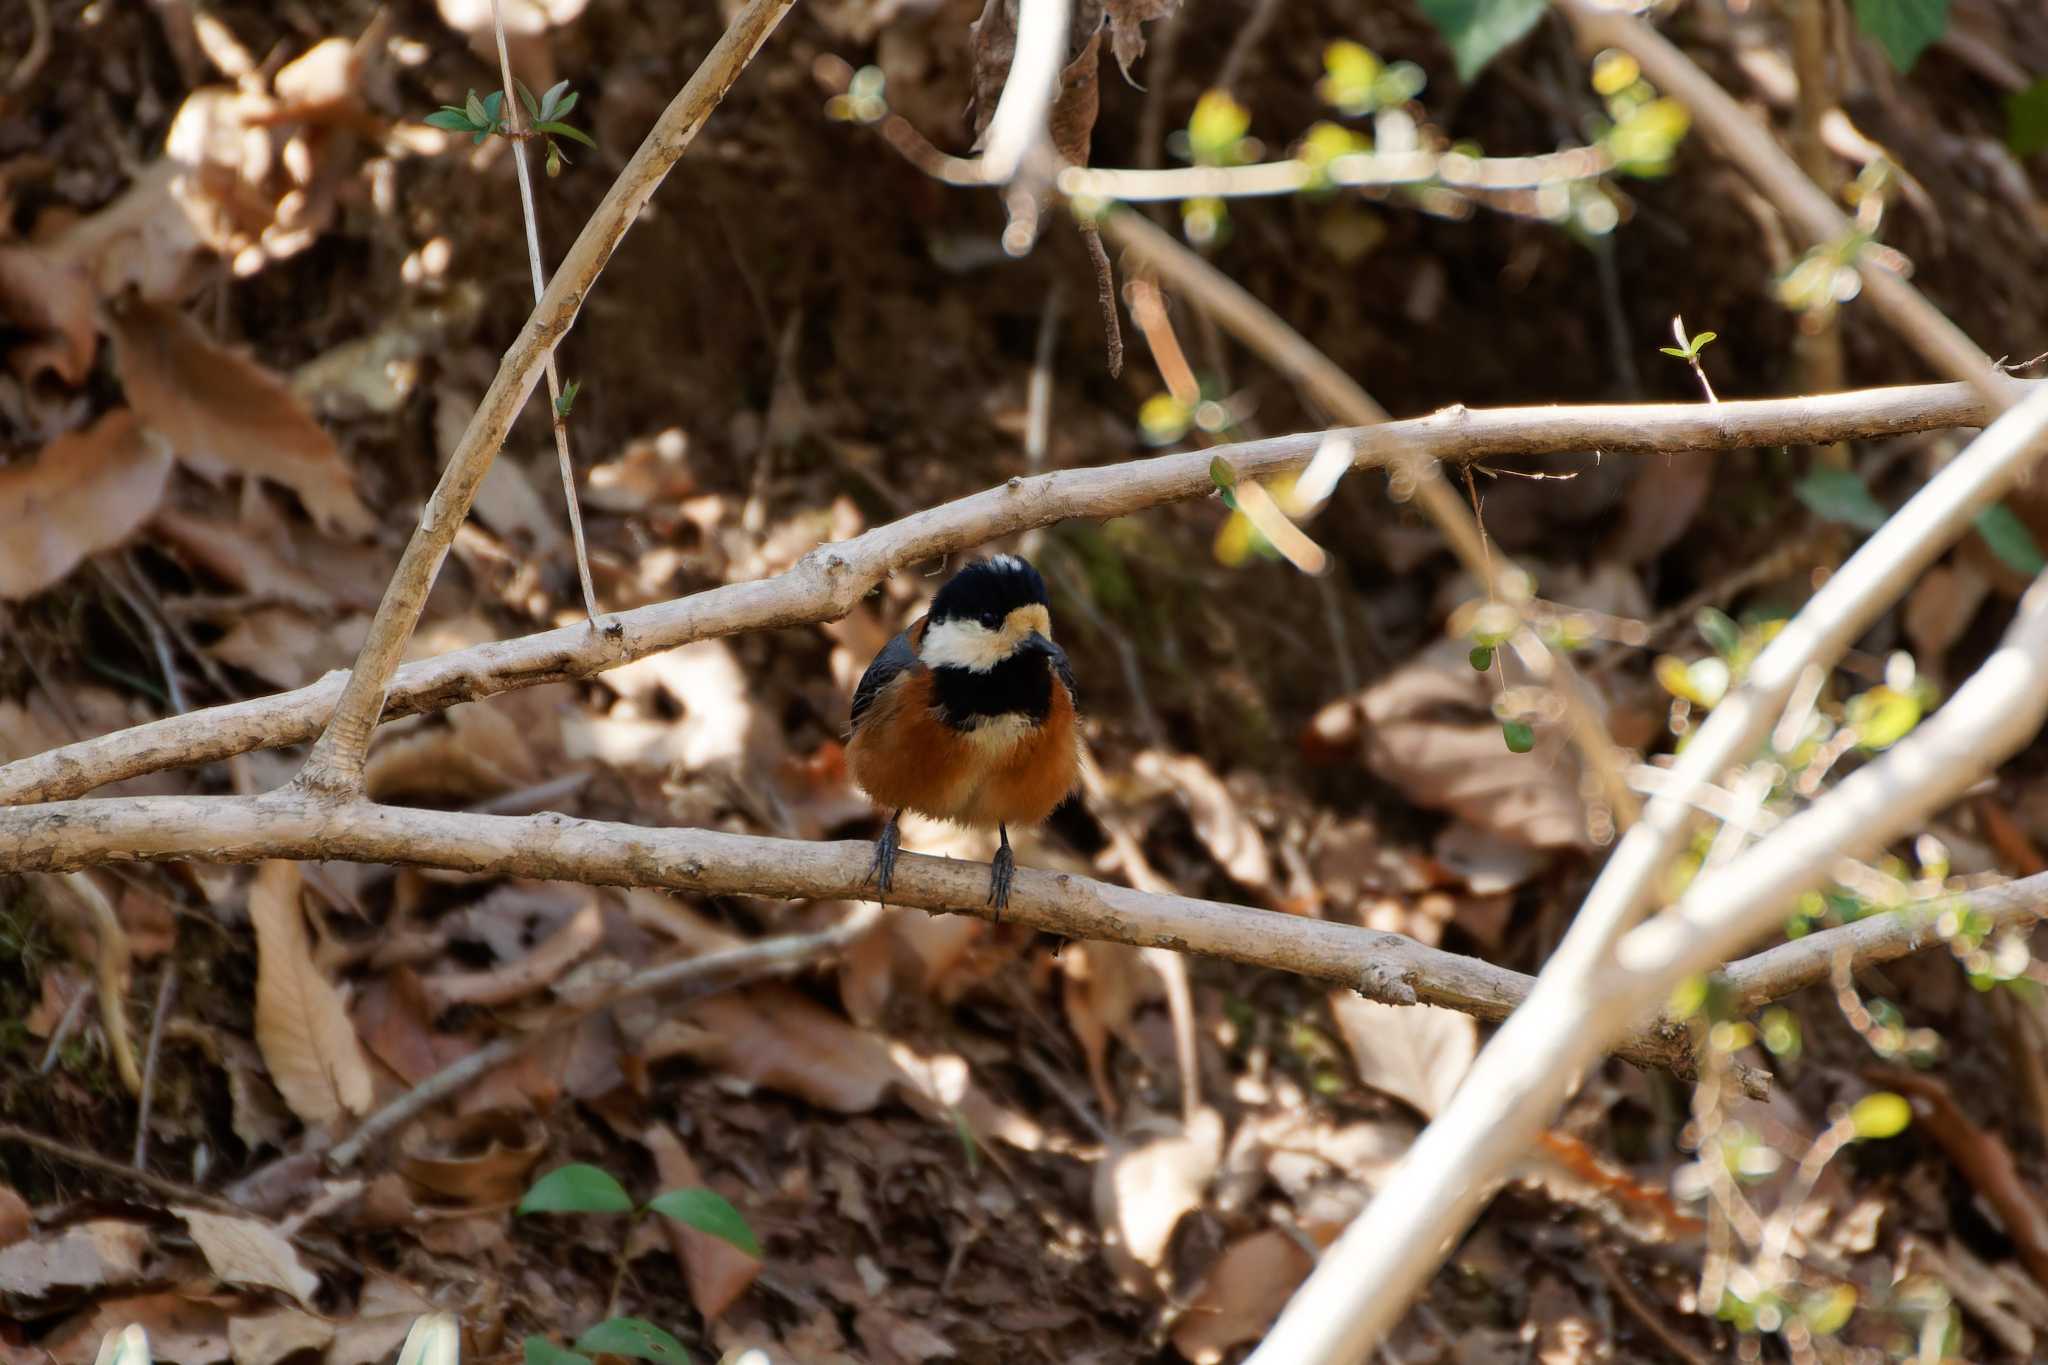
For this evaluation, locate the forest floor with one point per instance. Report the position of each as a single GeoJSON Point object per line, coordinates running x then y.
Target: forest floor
{"type": "Point", "coordinates": [958, 1141]}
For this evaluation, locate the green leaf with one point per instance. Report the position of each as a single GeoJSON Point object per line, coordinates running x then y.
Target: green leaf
{"type": "Point", "coordinates": [541, 1351]}
{"type": "Point", "coordinates": [576, 1188]}
{"type": "Point", "coordinates": [564, 130]}
{"type": "Point", "coordinates": [2026, 119]}
{"type": "Point", "coordinates": [474, 107]}
{"type": "Point", "coordinates": [1481, 657]}
{"type": "Point", "coordinates": [2009, 539]}
{"type": "Point", "coordinates": [494, 105]}
{"type": "Point", "coordinates": [1477, 30]}
{"type": "Point", "coordinates": [526, 98]}
{"type": "Point", "coordinates": [1903, 28]}
{"type": "Point", "coordinates": [568, 102]}
{"type": "Point", "coordinates": [633, 1337]}
{"type": "Point", "coordinates": [708, 1211]}
{"type": "Point", "coordinates": [1520, 738]}
{"type": "Point", "coordinates": [1699, 342]}
{"type": "Point", "coordinates": [1837, 495]}
{"type": "Point", "coordinates": [548, 100]}
{"type": "Point", "coordinates": [568, 398]}
{"type": "Point", "coordinates": [451, 118]}
{"type": "Point", "coordinates": [1881, 1115]}
{"type": "Point", "coordinates": [1673, 350]}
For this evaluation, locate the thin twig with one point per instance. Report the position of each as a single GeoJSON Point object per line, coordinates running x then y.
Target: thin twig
{"type": "Point", "coordinates": [171, 1191]}
{"type": "Point", "coordinates": [38, 52]}
{"type": "Point", "coordinates": [831, 579]}
{"type": "Point", "coordinates": [516, 116]}
{"type": "Point", "coordinates": [166, 997]}
{"type": "Point", "coordinates": [692, 978]}
{"type": "Point", "coordinates": [67, 1024]}
{"type": "Point", "coordinates": [110, 961]}
{"type": "Point", "coordinates": [335, 767]}
{"type": "Point", "coordinates": [1354, 170]}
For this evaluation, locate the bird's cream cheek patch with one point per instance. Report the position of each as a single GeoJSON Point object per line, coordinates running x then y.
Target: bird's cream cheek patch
{"type": "Point", "coordinates": [962, 644]}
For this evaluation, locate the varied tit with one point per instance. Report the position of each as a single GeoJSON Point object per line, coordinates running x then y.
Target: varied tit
{"type": "Point", "coordinates": [968, 715]}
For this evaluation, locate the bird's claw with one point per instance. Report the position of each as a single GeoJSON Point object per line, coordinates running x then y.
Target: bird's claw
{"type": "Point", "coordinates": [1000, 870]}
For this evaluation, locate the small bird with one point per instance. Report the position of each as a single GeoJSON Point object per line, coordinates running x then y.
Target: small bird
{"type": "Point", "coordinates": [969, 716]}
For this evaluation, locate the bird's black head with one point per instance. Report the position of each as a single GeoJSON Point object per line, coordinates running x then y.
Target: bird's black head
{"type": "Point", "coordinates": [987, 591]}
{"type": "Point", "coordinates": [988, 641]}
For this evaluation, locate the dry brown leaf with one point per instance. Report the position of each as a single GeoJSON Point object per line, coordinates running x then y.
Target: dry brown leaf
{"type": "Point", "coordinates": [182, 1330]}
{"type": "Point", "coordinates": [1126, 36]}
{"type": "Point", "coordinates": [301, 1024]}
{"type": "Point", "coordinates": [105, 1253]}
{"type": "Point", "coordinates": [483, 1161]}
{"type": "Point", "coordinates": [1430, 731]}
{"type": "Point", "coordinates": [1246, 1289]}
{"type": "Point", "coordinates": [223, 413]}
{"type": "Point", "coordinates": [321, 83]}
{"type": "Point", "coordinates": [249, 1251]}
{"type": "Point", "coordinates": [149, 238]}
{"type": "Point", "coordinates": [243, 559]}
{"type": "Point", "coordinates": [718, 1272]}
{"type": "Point", "coordinates": [396, 1025]}
{"type": "Point", "coordinates": [478, 752]}
{"type": "Point", "coordinates": [286, 647]}
{"type": "Point", "coordinates": [510, 981]}
{"type": "Point", "coordinates": [1145, 1188]}
{"type": "Point", "coordinates": [774, 1037]}
{"type": "Point", "coordinates": [86, 491]}
{"type": "Point", "coordinates": [1416, 1053]}
{"type": "Point", "coordinates": [267, 1338]}
{"type": "Point", "coordinates": [52, 301]}
{"type": "Point", "coordinates": [1231, 838]}
{"type": "Point", "coordinates": [16, 1218]}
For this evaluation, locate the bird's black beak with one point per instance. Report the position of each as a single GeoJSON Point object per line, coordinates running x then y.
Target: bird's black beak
{"type": "Point", "coordinates": [1035, 643]}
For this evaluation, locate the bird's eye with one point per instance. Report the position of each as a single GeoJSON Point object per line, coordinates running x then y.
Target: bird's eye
{"type": "Point", "coordinates": [991, 620]}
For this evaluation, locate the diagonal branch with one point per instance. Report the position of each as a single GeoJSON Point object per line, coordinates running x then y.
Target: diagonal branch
{"type": "Point", "coordinates": [1594, 987]}
{"type": "Point", "coordinates": [335, 767]}
{"type": "Point", "coordinates": [830, 580]}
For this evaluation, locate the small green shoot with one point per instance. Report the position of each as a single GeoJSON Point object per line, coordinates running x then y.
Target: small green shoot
{"type": "Point", "coordinates": [483, 115]}
{"type": "Point", "coordinates": [1520, 738]}
{"type": "Point", "coordinates": [1688, 349]}
{"type": "Point", "coordinates": [568, 397]}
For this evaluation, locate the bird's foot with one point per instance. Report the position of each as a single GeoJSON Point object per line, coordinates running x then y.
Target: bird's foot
{"type": "Point", "coordinates": [882, 870]}
{"type": "Point", "coordinates": [1000, 870]}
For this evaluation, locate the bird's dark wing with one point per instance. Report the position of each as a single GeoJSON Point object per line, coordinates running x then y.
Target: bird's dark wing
{"type": "Point", "coordinates": [896, 658]}
{"type": "Point", "coordinates": [1066, 674]}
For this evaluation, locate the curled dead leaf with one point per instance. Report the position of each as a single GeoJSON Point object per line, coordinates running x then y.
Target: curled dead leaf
{"type": "Point", "coordinates": [52, 301]}
{"type": "Point", "coordinates": [86, 492]}
{"type": "Point", "coordinates": [223, 413]}
{"type": "Point", "coordinates": [302, 1026]}
{"type": "Point", "coordinates": [483, 1162]}
{"type": "Point", "coordinates": [1144, 1189]}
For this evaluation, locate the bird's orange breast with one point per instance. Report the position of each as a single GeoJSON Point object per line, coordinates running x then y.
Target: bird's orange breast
{"type": "Point", "coordinates": [1008, 771]}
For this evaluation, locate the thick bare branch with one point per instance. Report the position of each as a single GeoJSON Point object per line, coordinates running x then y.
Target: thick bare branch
{"type": "Point", "coordinates": [335, 767]}
{"type": "Point", "coordinates": [829, 581]}
{"type": "Point", "coordinates": [1383, 966]}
